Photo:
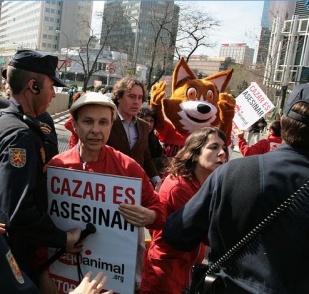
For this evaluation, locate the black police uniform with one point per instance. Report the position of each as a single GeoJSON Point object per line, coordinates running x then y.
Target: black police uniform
{"type": "Point", "coordinates": [23, 191]}
{"type": "Point", "coordinates": [12, 279]}
{"type": "Point", "coordinates": [50, 136]}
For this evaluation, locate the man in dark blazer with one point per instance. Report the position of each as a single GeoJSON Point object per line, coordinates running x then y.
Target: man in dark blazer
{"type": "Point", "coordinates": [129, 133]}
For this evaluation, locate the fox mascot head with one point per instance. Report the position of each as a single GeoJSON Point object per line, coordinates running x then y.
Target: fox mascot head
{"type": "Point", "coordinates": [194, 103]}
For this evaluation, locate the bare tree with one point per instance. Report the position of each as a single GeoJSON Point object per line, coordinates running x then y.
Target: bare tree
{"type": "Point", "coordinates": [183, 35]}
{"type": "Point", "coordinates": [160, 57]}
{"type": "Point", "coordinates": [88, 56]}
{"type": "Point", "coordinates": [194, 31]}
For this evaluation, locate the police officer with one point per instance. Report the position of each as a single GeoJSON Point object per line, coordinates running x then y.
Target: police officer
{"type": "Point", "coordinates": [4, 103]}
{"type": "Point", "coordinates": [23, 191]}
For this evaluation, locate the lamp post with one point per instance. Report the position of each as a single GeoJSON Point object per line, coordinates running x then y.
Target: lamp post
{"type": "Point", "coordinates": [75, 77]}
{"type": "Point", "coordinates": [66, 54]}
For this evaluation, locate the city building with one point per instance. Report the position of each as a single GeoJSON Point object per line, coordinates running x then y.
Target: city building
{"type": "Point", "coordinates": [204, 66]}
{"type": "Point", "coordinates": [43, 25]}
{"type": "Point", "coordinates": [272, 10]}
{"type": "Point", "coordinates": [109, 66]}
{"type": "Point", "coordinates": [288, 58]}
{"type": "Point", "coordinates": [240, 52]}
{"type": "Point", "coordinates": [140, 28]}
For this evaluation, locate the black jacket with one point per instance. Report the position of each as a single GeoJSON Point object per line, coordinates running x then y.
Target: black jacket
{"type": "Point", "coordinates": [23, 189]}
{"type": "Point", "coordinates": [12, 279]}
{"type": "Point", "coordinates": [233, 200]}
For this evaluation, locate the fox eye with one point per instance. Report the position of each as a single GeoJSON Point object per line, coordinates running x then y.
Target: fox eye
{"type": "Point", "coordinates": [209, 95]}
{"type": "Point", "coordinates": [191, 93]}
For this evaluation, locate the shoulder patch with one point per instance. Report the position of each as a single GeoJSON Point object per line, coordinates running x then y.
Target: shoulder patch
{"type": "Point", "coordinates": [15, 268]}
{"type": "Point", "coordinates": [46, 129]}
{"type": "Point", "coordinates": [17, 157]}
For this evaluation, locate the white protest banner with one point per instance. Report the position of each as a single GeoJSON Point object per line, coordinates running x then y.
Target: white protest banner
{"type": "Point", "coordinates": [251, 105]}
{"type": "Point", "coordinates": [77, 198]}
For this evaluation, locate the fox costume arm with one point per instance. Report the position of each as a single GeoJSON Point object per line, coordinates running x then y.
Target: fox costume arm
{"type": "Point", "coordinates": [226, 105]}
{"type": "Point", "coordinates": [157, 95]}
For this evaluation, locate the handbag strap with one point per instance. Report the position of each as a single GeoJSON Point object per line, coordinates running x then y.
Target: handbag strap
{"type": "Point", "coordinates": [256, 230]}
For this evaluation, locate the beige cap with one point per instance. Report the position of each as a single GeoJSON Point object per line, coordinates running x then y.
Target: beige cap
{"type": "Point", "coordinates": [94, 98]}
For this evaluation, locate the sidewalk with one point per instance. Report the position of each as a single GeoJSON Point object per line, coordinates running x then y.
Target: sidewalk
{"type": "Point", "coordinates": [62, 133]}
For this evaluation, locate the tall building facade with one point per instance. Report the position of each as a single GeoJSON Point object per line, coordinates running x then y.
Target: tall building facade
{"type": "Point", "coordinates": [264, 35]}
{"type": "Point", "coordinates": [43, 25]}
{"type": "Point", "coordinates": [140, 28]}
{"type": "Point", "coordinates": [288, 61]}
{"type": "Point", "coordinates": [287, 57]}
{"type": "Point", "coordinates": [272, 10]}
{"type": "Point", "coordinates": [240, 52]}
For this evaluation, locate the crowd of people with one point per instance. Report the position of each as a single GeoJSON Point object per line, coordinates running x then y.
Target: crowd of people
{"type": "Point", "coordinates": [198, 202]}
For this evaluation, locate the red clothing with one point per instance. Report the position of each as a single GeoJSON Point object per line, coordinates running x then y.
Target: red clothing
{"type": "Point", "coordinates": [113, 162]}
{"type": "Point", "coordinates": [261, 147]}
{"type": "Point", "coordinates": [172, 140]}
{"type": "Point", "coordinates": [73, 140]}
{"type": "Point", "coordinates": [166, 270]}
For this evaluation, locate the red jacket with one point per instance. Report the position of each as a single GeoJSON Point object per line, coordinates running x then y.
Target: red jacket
{"type": "Point", "coordinates": [73, 140]}
{"type": "Point", "coordinates": [166, 270]}
{"type": "Point", "coordinates": [261, 147]}
{"type": "Point", "coordinates": [114, 162]}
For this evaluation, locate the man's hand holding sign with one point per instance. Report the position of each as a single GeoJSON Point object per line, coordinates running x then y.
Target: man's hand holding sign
{"type": "Point", "coordinates": [137, 215]}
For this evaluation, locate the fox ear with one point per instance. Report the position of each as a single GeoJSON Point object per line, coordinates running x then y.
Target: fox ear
{"type": "Point", "coordinates": [220, 79]}
{"type": "Point", "coordinates": [182, 72]}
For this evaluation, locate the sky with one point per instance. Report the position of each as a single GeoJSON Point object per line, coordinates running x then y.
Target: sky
{"type": "Point", "coordinates": [240, 22]}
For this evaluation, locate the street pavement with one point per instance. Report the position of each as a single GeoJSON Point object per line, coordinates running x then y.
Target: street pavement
{"type": "Point", "coordinates": [62, 133]}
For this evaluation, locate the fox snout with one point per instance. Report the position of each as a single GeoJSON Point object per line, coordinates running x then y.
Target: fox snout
{"type": "Point", "coordinates": [203, 108]}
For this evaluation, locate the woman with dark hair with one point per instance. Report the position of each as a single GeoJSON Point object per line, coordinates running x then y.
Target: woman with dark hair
{"type": "Point", "coordinates": [166, 270]}
{"type": "Point", "coordinates": [149, 115]}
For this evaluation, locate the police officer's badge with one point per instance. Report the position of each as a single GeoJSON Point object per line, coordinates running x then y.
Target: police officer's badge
{"type": "Point", "coordinates": [17, 157]}
{"type": "Point", "coordinates": [15, 268]}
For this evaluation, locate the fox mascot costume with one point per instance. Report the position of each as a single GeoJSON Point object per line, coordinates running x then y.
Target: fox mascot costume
{"type": "Point", "coordinates": [194, 103]}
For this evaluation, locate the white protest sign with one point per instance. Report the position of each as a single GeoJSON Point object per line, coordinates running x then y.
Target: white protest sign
{"type": "Point", "coordinates": [251, 105]}
{"type": "Point", "coordinates": [77, 198]}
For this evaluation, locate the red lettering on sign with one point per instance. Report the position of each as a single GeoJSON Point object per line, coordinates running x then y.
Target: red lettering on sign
{"type": "Point", "coordinates": [54, 181]}
{"type": "Point", "coordinates": [256, 93]}
{"type": "Point", "coordinates": [126, 196]}
{"type": "Point", "coordinates": [65, 188]}
{"type": "Point", "coordinates": [93, 191]}
{"type": "Point", "coordinates": [266, 106]}
{"type": "Point", "coordinates": [75, 191]}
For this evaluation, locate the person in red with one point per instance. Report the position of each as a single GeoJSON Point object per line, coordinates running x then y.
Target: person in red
{"type": "Point", "coordinates": [166, 270]}
{"type": "Point", "coordinates": [93, 116]}
{"type": "Point", "coordinates": [73, 140]}
{"type": "Point", "coordinates": [272, 141]}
